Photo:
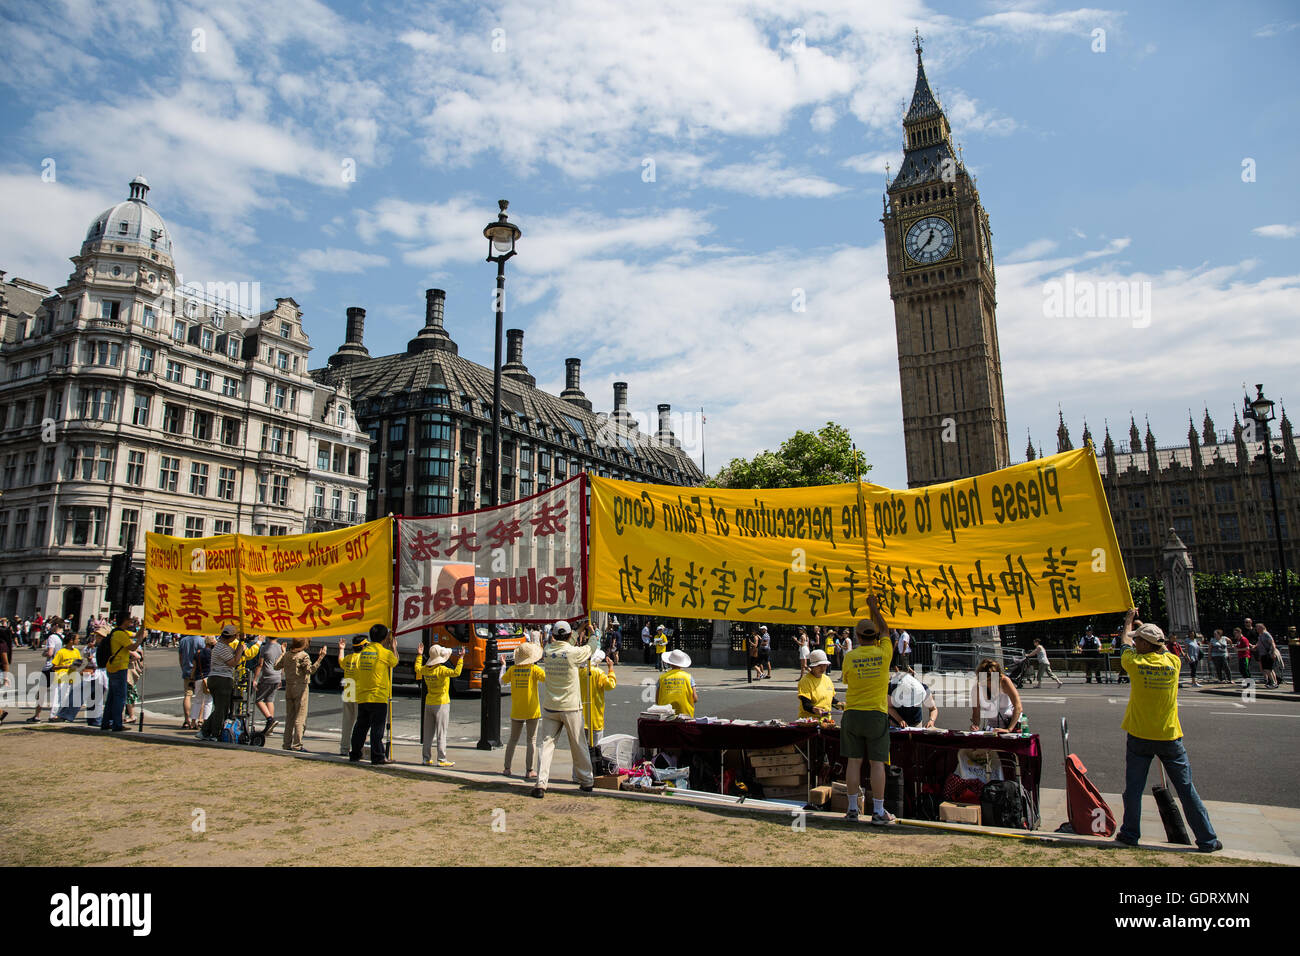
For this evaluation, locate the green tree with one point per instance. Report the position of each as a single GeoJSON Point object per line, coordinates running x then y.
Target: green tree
{"type": "Point", "coordinates": [823, 457]}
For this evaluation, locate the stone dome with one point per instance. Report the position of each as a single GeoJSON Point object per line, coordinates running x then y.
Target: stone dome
{"type": "Point", "coordinates": [133, 221]}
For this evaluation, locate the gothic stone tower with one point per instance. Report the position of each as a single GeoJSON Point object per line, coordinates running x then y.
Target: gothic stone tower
{"type": "Point", "coordinates": [941, 280]}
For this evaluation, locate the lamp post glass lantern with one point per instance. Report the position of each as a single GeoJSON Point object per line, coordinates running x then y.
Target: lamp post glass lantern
{"type": "Point", "coordinates": [501, 234]}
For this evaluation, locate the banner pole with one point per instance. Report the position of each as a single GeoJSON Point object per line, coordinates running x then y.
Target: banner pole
{"type": "Point", "coordinates": [862, 512]}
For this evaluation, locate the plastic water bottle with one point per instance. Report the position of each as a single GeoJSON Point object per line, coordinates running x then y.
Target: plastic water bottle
{"type": "Point", "coordinates": [1023, 725]}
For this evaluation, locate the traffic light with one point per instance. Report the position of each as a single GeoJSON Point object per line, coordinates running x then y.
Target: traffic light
{"type": "Point", "coordinates": [134, 586]}
{"type": "Point", "coordinates": [117, 570]}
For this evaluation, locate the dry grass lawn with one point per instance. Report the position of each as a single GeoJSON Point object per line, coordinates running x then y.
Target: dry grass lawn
{"type": "Point", "coordinates": [137, 803]}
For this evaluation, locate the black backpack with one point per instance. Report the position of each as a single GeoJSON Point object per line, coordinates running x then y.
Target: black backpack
{"type": "Point", "coordinates": [1005, 803]}
{"type": "Point", "coordinates": [103, 651]}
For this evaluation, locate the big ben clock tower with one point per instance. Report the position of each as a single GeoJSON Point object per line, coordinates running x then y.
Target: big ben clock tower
{"type": "Point", "coordinates": [942, 282]}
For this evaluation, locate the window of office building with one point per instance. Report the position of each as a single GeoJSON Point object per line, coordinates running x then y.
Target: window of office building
{"type": "Point", "coordinates": [173, 418]}
{"type": "Point", "coordinates": [198, 478]}
{"type": "Point", "coordinates": [229, 386]}
{"type": "Point", "coordinates": [280, 490]}
{"type": "Point", "coordinates": [203, 426]}
{"type": "Point", "coordinates": [82, 525]}
{"type": "Point", "coordinates": [135, 468]}
{"type": "Point", "coordinates": [226, 484]}
{"type": "Point", "coordinates": [202, 379]}
{"type": "Point", "coordinates": [140, 414]}
{"type": "Point", "coordinates": [223, 527]}
{"type": "Point", "coordinates": [175, 371]}
{"type": "Point", "coordinates": [193, 526]}
{"type": "Point", "coordinates": [126, 534]}
{"type": "Point", "coordinates": [146, 359]}
{"type": "Point", "coordinates": [169, 470]}
{"type": "Point", "coordinates": [164, 524]}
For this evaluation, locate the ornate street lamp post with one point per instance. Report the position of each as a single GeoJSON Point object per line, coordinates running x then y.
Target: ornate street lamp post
{"type": "Point", "coordinates": [1261, 410]}
{"type": "Point", "coordinates": [501, 234]}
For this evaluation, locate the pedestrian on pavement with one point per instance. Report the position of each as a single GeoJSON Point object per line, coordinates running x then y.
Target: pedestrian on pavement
{"type": "Point", "coordinates": [1090, 646]}
{"type": "Point", "coordinates": [1151, 722]}
{"type": "Point", "coordinates": [297, 666]}
{"type": "Point", "coordinates": [134, 676]}
{"type": "Point", "coordinates": [562, 707]}
{"type": "Point", "coordinates": [765, 651]}
{"type": "Point", "coordinates": [190, 646]}
{"type": "Point", "coordinates": [266, 681]}
{"type": "Point", "coordinates": [1041, 663]}
{"type": "Point", "coordinates": [227, 653]}
{"type": "Point", "coordinates": [201, 706]}
{"type": "Point", "coordinates": [802, 643]}
{"type": "Point", "coordinates": [348, 665]}
{"type": "Point", "coordinates": [613, 638]}
{"type": "Point", "coordinates": [1266, 647]}
{"type": "Point", "coordinates": [52, 645]}
{"type": "Point", "coordinates": [864, 728]}
{"type": "Point", "coordinates": [123, 641]}
{"type": "Point", "coordinates": [592, 684]}
{"type": "Point", "coordinates": [523, 676]}
{"type": "Point", "coordinates": [94, 691]}
{"type": "Point", "coordinates": [1244, 647]}
{"type": "Point", "coordinates": [661, 647]}
{"type": "Point", "coordinates": [905, 649]}
{"type": "Point", "coordinates": [676, 687]}
{"type": "Point", "coordinates": [437, 698]}
{"type": "Point", "coordinates": [1193, 654]}
{"type": "Point", "coordinates": [647, 647]}
{"type": "Point", "coordinates": [751, 652]}
{"type": "Point", "coordinates": [1219, 656]}
{"type": "Point", "coordinates": [374, 691]}
{"type": "Point", "coordinates": [67, 681]}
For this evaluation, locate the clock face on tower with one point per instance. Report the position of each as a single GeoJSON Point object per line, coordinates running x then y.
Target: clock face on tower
{"type": "Point", "coordinates": [929, 239]}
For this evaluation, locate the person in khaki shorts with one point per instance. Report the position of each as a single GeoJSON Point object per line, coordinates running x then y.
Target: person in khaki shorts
{"type": "Point", "coordinates": [864, 730]}
{"type": "Point", "coordinates": [298, 668]}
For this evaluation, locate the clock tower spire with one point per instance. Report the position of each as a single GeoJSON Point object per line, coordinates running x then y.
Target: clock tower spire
{"type": "Point", "coordinates": [941, 279]}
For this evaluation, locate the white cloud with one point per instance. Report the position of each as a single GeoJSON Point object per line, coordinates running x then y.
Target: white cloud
{"type": "Point", "coordinates": [1277, 231]}
{"type": "Point", "coordinates": [1277, 29]}
{"type": "Point", "coordinates": [872, 162]}
{"type": "Point", "coordinates": [822, 119]}
{"type": "Point", "coordinates": [1032, 250]}
{"type": "Point", "coordinates": [300, 274]}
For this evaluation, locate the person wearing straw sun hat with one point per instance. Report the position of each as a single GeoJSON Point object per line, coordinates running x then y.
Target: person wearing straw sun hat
{"type": "Point", "coordinates": [437, 701]}
{"type": "Point", "coordinates": [1151, 721]}
{"type": "Point", "coordinates": [523, 676]}
{"type": "Point", "coordinates": [562, 707]}
{"type": "Point", "coordinates": [592, 684]}
{"type": "Point", "coordinates": [816, 690]}
{"type": "Point", "coordinates": [676, 687]}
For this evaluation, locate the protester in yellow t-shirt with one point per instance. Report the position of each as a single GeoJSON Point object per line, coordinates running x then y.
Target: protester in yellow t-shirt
{"type": "Point", "coordinates": [66, 665]}
{"type": "Point", "coordinates": [661, 647]}
{"type": "Point", "coordinates": [523, 677]}
{"type": "Point", "coordinates": [816, 689]}
{"type": "Point", "coordinates": [437, 701]}
{"type": "Point", "coordinates": [592, 684]}
{"type": "Point", "coordinates": [121, 642]}
{"type": "Point", "coordinates": [374, 688]}
{"type": "Point", "coordinates": [864, 729]}
{"type": "Point", "coordinates": [348, 665]}
{"type": "Point", "coordinates": [677, 687]}
{"type": "Point", "coordinates": [1151, 720]}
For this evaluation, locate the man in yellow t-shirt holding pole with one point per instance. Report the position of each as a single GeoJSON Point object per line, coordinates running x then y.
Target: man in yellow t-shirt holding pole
{"type": "Point", "coordinates": [864, 729]}
{"type": "Point", "coordinates": [1151, 720]}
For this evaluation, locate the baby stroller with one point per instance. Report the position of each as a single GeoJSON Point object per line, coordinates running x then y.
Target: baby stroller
{"type": "Point", "coordinates": [1019, 671]}
{"type": "Point", "coordinates": [239, 722]}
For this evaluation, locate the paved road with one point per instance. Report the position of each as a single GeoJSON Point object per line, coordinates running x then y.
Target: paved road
{"type": "Point", "coordinates": [1238, 750]}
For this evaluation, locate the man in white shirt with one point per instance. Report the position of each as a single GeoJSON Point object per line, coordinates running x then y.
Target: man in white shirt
{"type": "Point", "coordinates": [905, 649]}
{"type": "Point", "coordinates": [53, 644]}
{"type": "Point", "coordinates": [911, 703]}
{"type": "Point", "coordinates": [646, 648]}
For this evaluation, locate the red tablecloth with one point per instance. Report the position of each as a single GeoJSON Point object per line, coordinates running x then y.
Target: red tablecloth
{"type": "Point", "coordinates": [683, 735]}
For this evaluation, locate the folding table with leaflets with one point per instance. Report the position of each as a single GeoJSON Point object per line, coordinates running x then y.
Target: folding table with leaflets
{"type": "Point", "coordinates": [706, 736]}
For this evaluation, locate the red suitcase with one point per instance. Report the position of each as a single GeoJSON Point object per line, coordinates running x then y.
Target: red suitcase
{"type": "Point", "coordinates": [1087, 809]}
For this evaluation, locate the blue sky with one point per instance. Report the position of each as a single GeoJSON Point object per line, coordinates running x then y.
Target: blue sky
{"type": "Point", "coordinates": [767, 124]}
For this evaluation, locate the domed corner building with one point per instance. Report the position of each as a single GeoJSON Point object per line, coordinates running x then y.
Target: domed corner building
{"type": "Point", "coordinates": [428, 411]}
{"type": "Point", "coordinates": [134, 401]}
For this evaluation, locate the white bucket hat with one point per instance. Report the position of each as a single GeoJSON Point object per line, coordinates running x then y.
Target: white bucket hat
{"type": "Point", "coordinates": [817, 658]}
{"type": "Point", "coordinates": [677, 658]}
{"type": "Point", "coordinates": [438, 654]}
{"type": "Point", "coordinates": [598, 657]}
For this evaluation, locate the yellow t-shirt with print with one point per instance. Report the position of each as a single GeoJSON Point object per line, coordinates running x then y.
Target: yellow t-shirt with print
{"type": "Point", "coordinates": [437, 681]}
{"type": "Point", "coordinates": [866, 674]}
{"type": "Point", "coordinates": [374, 673]}
{"type": "Point", "coordinates": [678, 689]}
{"type": "Point", "coordinates": [525, 701]}
{"type": "Point", "coordinates": [62, 665]}
{"type": "Point", "coordinates": [1152, 712]}
{"type": "Point", "coordinates": [599, 682]}
{"type": "Point", "coordinates": [820, 690]}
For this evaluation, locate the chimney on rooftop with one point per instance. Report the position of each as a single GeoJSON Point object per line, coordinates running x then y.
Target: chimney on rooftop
{"type": "Point", "coordinates": [515, 367]}
{"type": "Point", "coordinates": [353, 348]}
{"type": "Point", "coordinates": [433, 335]}
{"type": "Point", "coordinates": [573, 384]}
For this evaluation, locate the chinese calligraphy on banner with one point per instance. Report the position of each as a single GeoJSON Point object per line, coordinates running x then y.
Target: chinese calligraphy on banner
{"type": "Point", "coordinates": [521, 561]}
{"type": "Point", "coordinates": [1022, 544]}
{"type": "Point", "coordinates": [317, 585]}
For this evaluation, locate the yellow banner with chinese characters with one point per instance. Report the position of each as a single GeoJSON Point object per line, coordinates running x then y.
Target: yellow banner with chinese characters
{"type": "Point", "coordinates": [316, 585]}
{"type": "Point", "coordinates": [1023, 544]}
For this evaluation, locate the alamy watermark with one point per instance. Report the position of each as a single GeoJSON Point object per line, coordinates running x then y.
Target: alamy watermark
{"type": "Point", "coordinates": [1078, 298]}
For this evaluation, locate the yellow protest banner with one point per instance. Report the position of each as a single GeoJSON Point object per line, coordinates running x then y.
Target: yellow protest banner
{"type": "Point", "coordinates": [1023, 544]}
{"type": "Point", "coordinates": [316, 585]}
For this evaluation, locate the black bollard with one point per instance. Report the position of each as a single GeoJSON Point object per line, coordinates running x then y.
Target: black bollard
{"type": "Point", "coordinates": [490, 703]}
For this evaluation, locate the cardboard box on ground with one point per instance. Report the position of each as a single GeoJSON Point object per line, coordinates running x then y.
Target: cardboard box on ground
{"type": "Point", "coordinates": [959, 813]}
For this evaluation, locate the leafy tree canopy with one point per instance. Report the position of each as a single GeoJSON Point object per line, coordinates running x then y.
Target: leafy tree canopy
{"type": "Point", "coordinates": [823, 457]}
